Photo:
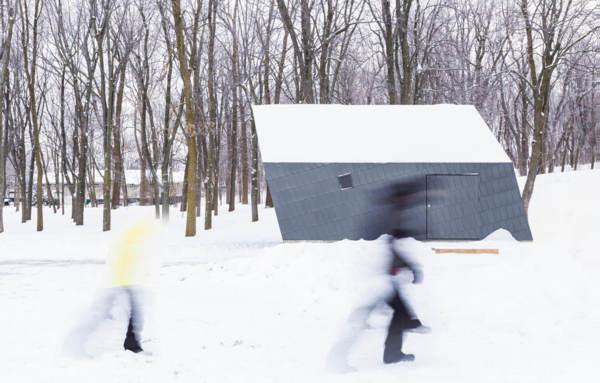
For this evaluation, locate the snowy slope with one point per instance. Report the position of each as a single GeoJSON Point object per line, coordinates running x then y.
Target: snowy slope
{"type": "Point", "coordinates": [237, 305]}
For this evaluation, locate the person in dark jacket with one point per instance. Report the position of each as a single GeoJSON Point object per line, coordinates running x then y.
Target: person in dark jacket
{"type": "Point", "coordinates": [405, 199]}
{"type": "Point", "coordinates": [404, 203]}
{"type": "Point", "coordinates": [403, 317]}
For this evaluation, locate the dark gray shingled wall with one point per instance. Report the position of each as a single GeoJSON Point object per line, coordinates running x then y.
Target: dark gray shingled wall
{"type": "Point", "coordinates": [310, 205]}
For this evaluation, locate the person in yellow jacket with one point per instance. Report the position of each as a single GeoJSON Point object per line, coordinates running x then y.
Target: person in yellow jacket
{"type": "Point", "coordinates": [128, 269]}
{"type": "Point", "coordinates": [128, 258]}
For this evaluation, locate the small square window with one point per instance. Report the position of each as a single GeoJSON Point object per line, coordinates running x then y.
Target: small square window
{"type": "Point", "coordinates": [345, 181]}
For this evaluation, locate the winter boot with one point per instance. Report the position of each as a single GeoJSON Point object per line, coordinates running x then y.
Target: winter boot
{"type": "Point", "coordinates": [131, 342]}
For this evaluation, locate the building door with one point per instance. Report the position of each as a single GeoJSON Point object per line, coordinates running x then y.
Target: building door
{"type": "Point", "coordinates": [453, 206]}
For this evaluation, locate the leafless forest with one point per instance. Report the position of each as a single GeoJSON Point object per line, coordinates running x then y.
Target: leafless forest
{"type": "Point", "coordinates": [91, 88]}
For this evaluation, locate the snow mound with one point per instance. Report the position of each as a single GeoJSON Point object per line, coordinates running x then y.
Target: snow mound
{"type": "Point", "coordinates": [500, 235]}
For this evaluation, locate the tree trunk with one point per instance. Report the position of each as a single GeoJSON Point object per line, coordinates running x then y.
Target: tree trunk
{"type": "Point", "coordinates": [402, 17]}
{"type": "Point", "coordinates": [17, 196]}
{"type": "Point", "coordinates": [524, 141]}
{"type": "Point", "coordinates": [190, 118]}
{"type": "Point", "coordinates": [234, 116]}
{"type": "Point", "coordinates": [144, 200]}
{"type": "Point", "coordinates": [244, 156]}
{"type": "Point", "coordinates": [107, 99]}
{"type": "Point", "coordinates": [3, 111]}
{"type": "Point", "coordinates": [269, 198]}
{"type": "Point", "coordinates": [63, 150]}
{"type": "Point", "coordinates": [209, 166]}
{"type": "Point", "coordinates": [184, 187]}
{"type": "Point", "coordinates": [324, 90]}
{"type": "Point", "coordinates": [281, 68]}
{"type": "Point", "coordinates": [198, 182]}
{"type": "Point", "coordinates": [55, 162]}
{"type": "Point", "coordinates": [168, 138]}
{"type": "Point", "coordinates": [62, 193]}
{"type": "Point", "coordinates": [254, 196]}
{"type": "Point", "coordinates": [48, 188]}
{"type": "Point", "coordinates": [118, 176]}
{"type": "Point", "coordinates": [30, 73]}
{"type": "Point", "coordinates": [389, 52]}
{"type": "Point", "coordinates": [30, 188]}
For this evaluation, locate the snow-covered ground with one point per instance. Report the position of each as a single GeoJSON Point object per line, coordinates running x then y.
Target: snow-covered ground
{"type": "Point", "coordinates": [236, 305]}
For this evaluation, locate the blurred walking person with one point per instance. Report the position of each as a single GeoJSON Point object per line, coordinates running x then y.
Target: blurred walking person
{"type": "Point", "coordinates": [402, 202]}
{"type": "Point", "coordinates": [128, 267]}
{"type": "Point", "coordinates": [406, 200]}
{"type": "Point", "coordinates": [403, 317]}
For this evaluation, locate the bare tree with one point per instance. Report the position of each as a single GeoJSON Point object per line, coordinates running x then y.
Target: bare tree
{"type": "Point", "coordinates": [170, 127]}
{"type": "Point", "coordinates": [5, 55]}
{"type": "Point", "coordinates": [190, 118]}
{"type": "Point", "coordinates": [303, 46]}
{"type": "Point", "coordinates": [98, 93]}
{"type": "Point", "coordinates": [561, 30]}
{"type": "Point", "coordinates": [30, 72]}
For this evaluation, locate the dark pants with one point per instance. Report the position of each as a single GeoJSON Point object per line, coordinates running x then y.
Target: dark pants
{"type": "Point", "coordinates": [101, 311]}
{"type": "Point", "coordinates": [132, 338]}
{"type": "Point", "coordinates": [401, 321]}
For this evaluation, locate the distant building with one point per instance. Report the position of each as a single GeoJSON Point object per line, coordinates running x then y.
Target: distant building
{"type": "Point", "coordinates": [325, 165]}
{"type": "Point", "coordinates": [133, 179]}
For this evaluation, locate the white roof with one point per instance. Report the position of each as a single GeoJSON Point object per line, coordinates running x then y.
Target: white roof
{"type": "Point", "coordinates": [375, 133]}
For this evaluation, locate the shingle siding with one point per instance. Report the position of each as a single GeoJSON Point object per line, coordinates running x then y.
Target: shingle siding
{"type": "Point", "coordinates": [310, 205]}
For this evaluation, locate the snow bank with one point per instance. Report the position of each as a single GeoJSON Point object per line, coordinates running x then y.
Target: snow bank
{"type": "Point", "coordinates": [565, 211]}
